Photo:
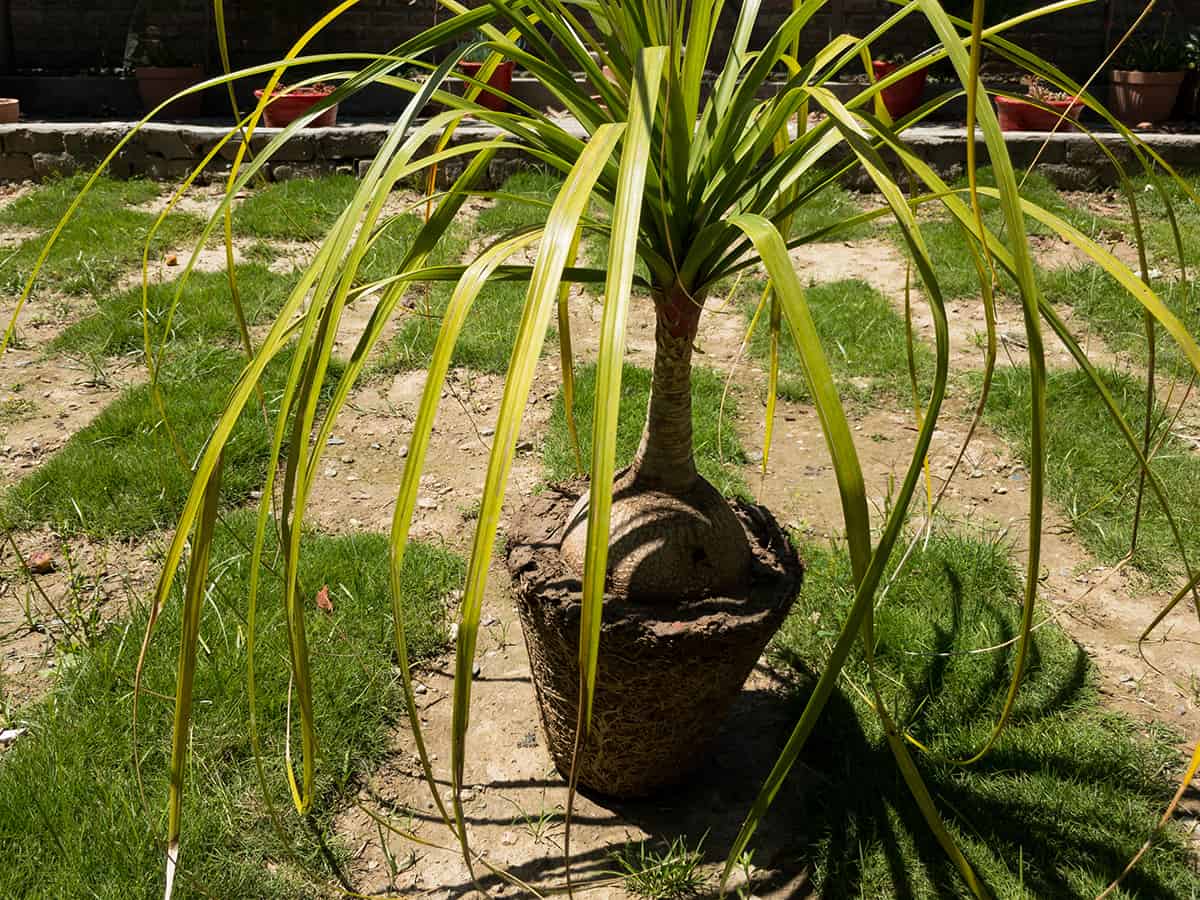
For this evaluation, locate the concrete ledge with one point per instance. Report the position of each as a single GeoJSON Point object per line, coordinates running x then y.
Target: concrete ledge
{"type": "Point", "coordinates": [168, 151]}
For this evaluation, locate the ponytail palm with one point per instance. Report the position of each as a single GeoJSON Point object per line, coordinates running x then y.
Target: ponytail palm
{"type": "Point", "coordinates": [703, 181]}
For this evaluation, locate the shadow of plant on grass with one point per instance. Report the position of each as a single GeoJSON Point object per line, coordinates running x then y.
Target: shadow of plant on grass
{"type": "Point", "coordinates": [1057, 809]}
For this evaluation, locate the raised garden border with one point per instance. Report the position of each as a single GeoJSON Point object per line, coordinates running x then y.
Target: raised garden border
{"type": "Point", "coordinates": [170, 151]}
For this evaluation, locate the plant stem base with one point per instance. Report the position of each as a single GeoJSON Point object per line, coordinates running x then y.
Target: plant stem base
{"type": "Point", "coordinates": [668, 672]}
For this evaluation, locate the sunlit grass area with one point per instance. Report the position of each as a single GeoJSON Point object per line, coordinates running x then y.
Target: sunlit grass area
{"type": "Point", "coordinates": [72, 820]}
{"type": "Point", "coordinates": [863, 338]}
{"type": "Point", "coordinates": [205, 313]}
{"type": "Point", "coordinates": [128, 472]}
{"type": "Point", "coordinates": [301, 209]}
{"type": "Point", "coordinates": [487, 338]}
{"type": "Point", "coordinates": [103, 241]}
{"type": "Point", "coordinates": [1091, 473]}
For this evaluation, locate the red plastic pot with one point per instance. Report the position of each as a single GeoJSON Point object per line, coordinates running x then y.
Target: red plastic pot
{"type": "Point", "coordinates": [1019, 115]}
{"type": "Point", "coordinates": [158, 83]}
{"type": "Point", "coordinates": [905, 95]}
{"type": "Point", "coordinates": [286, 108]}
{"type": "Point", "coordinates": [501, 80]}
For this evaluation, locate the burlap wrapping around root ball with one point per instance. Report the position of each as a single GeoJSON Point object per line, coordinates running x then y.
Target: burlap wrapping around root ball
{"type": "Point", "coordinates": [668, 672]}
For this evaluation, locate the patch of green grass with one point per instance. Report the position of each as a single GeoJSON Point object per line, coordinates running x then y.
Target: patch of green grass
{"type": "Point", "coordinates": [14, 409]}
{"type": "Point", "coordinates": [1093, 476]}
{"type": "Point", "coordinates": [1160, 237]}
{"type": "Point", "coordinates": [510, 214]}
{"type": "Point", "coordinates": [204, 315]}
{"type": "Point", "coordinates": [831, 205]}
{"type": "Point", "coordinates": [714, 461]}
{"type": "Point", "coordinates": [1059, 806]}
{"type": "Point", "coordinates": [103, 241]}
{"type": "Point", "coordinates": [301, 209]}
{"type": "Point", "coordinates": [1118, 318]}
{"type": "Point", "coordinates": [42, 208]}
{"type": "Point", "coordinates": [949, 248]}
{"type": "Point", "coordinates": [71, 820]}
{"type": "Point", "coordinates": [486, 341]}
{"type": "Point", "coordinates": [120, 477]}
{"type": "Point", "coordinates": [863, 338]}
{"type": "Point", "coordinates": [671, 872]}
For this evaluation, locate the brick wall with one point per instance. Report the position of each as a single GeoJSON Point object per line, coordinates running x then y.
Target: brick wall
{"type": "Point", "coordinates": [53, 35]}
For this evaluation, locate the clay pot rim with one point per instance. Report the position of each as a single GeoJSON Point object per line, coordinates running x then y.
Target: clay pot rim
{"type": "Point", "coordinates": [1053, 104]}
{"type": "Point", "coordinates": [1140, 76]}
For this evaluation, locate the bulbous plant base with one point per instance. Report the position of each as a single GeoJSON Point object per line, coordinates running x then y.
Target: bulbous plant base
{"type": "Point", "coordinates": [668, 672]}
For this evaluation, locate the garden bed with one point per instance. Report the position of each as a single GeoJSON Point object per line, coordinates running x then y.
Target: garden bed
{"type": "Point", "coordinates": [1069, 795]}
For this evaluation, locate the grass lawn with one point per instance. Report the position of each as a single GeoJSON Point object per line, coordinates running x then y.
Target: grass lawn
{"type": "Point", "coordinates": [863, 338]}
{"type": "Point", "coordinates": [1092, 475]}
{"type": "Point", "coordinates": [204, 316]}
{"type": "Point", "coordinates": [1118, 318]}
{"type": "Point", "coordinates": [486, 341]}
{"type": "Point", "coordinates": [103, 241]}
{"type": "Point", "coordinates": [300, 209]}
{"type": "Point", "coordinates": [716, 456]}
{"type": "Point", "coordinates": [949, 247]}
{"type": "Point", "coordinates": [119, 476]}
{"type": "Point", "coordinates": [1057, 808]}
{"type": "Point", "coordinates": [71, 820]}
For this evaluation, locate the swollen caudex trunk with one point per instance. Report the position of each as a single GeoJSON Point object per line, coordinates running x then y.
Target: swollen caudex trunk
{"type": "Point", "coordinates": [672, 535]}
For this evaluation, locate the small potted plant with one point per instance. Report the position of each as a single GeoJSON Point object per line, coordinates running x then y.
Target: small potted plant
{"type": "Point", "coordinates": [1147, 79]}
{"type": "Point", "coordinates": [500, 80]}
{"type": "Point", "coordinates": [288, 104]}
{"type": "Point", "coordinates": [905, 95]}
{"type": "Point", "coordinates": [162, 72]}
{"type": "Point", "coordinates": [1046, 109]}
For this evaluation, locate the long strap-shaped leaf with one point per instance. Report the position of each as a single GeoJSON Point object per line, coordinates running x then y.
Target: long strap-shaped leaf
{"type": "Point", "coordinates": [561, 225]}
{"type": "Point", "coordinates": [193, 601]}
{"type": "Point", "coordinates": [622, 260]}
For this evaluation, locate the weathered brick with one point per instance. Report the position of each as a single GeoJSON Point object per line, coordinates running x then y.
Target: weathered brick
{"type": "Point", "coordinates": [16, 167]}
{"type": "Point", "coordinates": [52, 165]}
{"type": "Point", "coordinates": [30, 139]}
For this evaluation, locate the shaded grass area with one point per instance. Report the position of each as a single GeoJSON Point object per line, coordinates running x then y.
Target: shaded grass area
{"type": "Point", "coordinates": [71, 820]}
{"type": "Point", "coordinates": [1092, 474]}
{"type": "Point", "coordinates": [1118, 317]}
{"type": "Point", "coordinates": [121, 477]}
{"type": "Point", "coordinates": [717, 450]}
{"type": "Point", "coordinates": [205, 313]}
{"type": "Point", "coordinates": [102, 242]}
{"type": "Point", "coordinates": [863, 338]}
{"type": "Point", "coordinates": [1057, 808]}
{"type": "Point", "coordinates": [302, 209]}
{"type": "Point", "coordinates": [489, 333]}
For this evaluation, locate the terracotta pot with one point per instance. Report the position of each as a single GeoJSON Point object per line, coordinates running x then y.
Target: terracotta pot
{"type": "Point", "coordinates": [1138, 97]}
{"type": "Point", "coordinates": [159, 83]}
{"type": "Point", "coordinates": [10, 110]}
{"type": "Point", "coordinates": [287, 108]}
{"type": "Point", "coordinates": [668, 672]}
{"type": "Point", "coordinates": [905, 95]}
{"type": "Point", "coordinates": [1019, 115]}
{"type": "Point", "coordinates": [501, 80]}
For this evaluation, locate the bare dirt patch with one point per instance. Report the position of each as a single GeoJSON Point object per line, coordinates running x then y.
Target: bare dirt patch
{"type": "Point", "coordinates": [88, 586]}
